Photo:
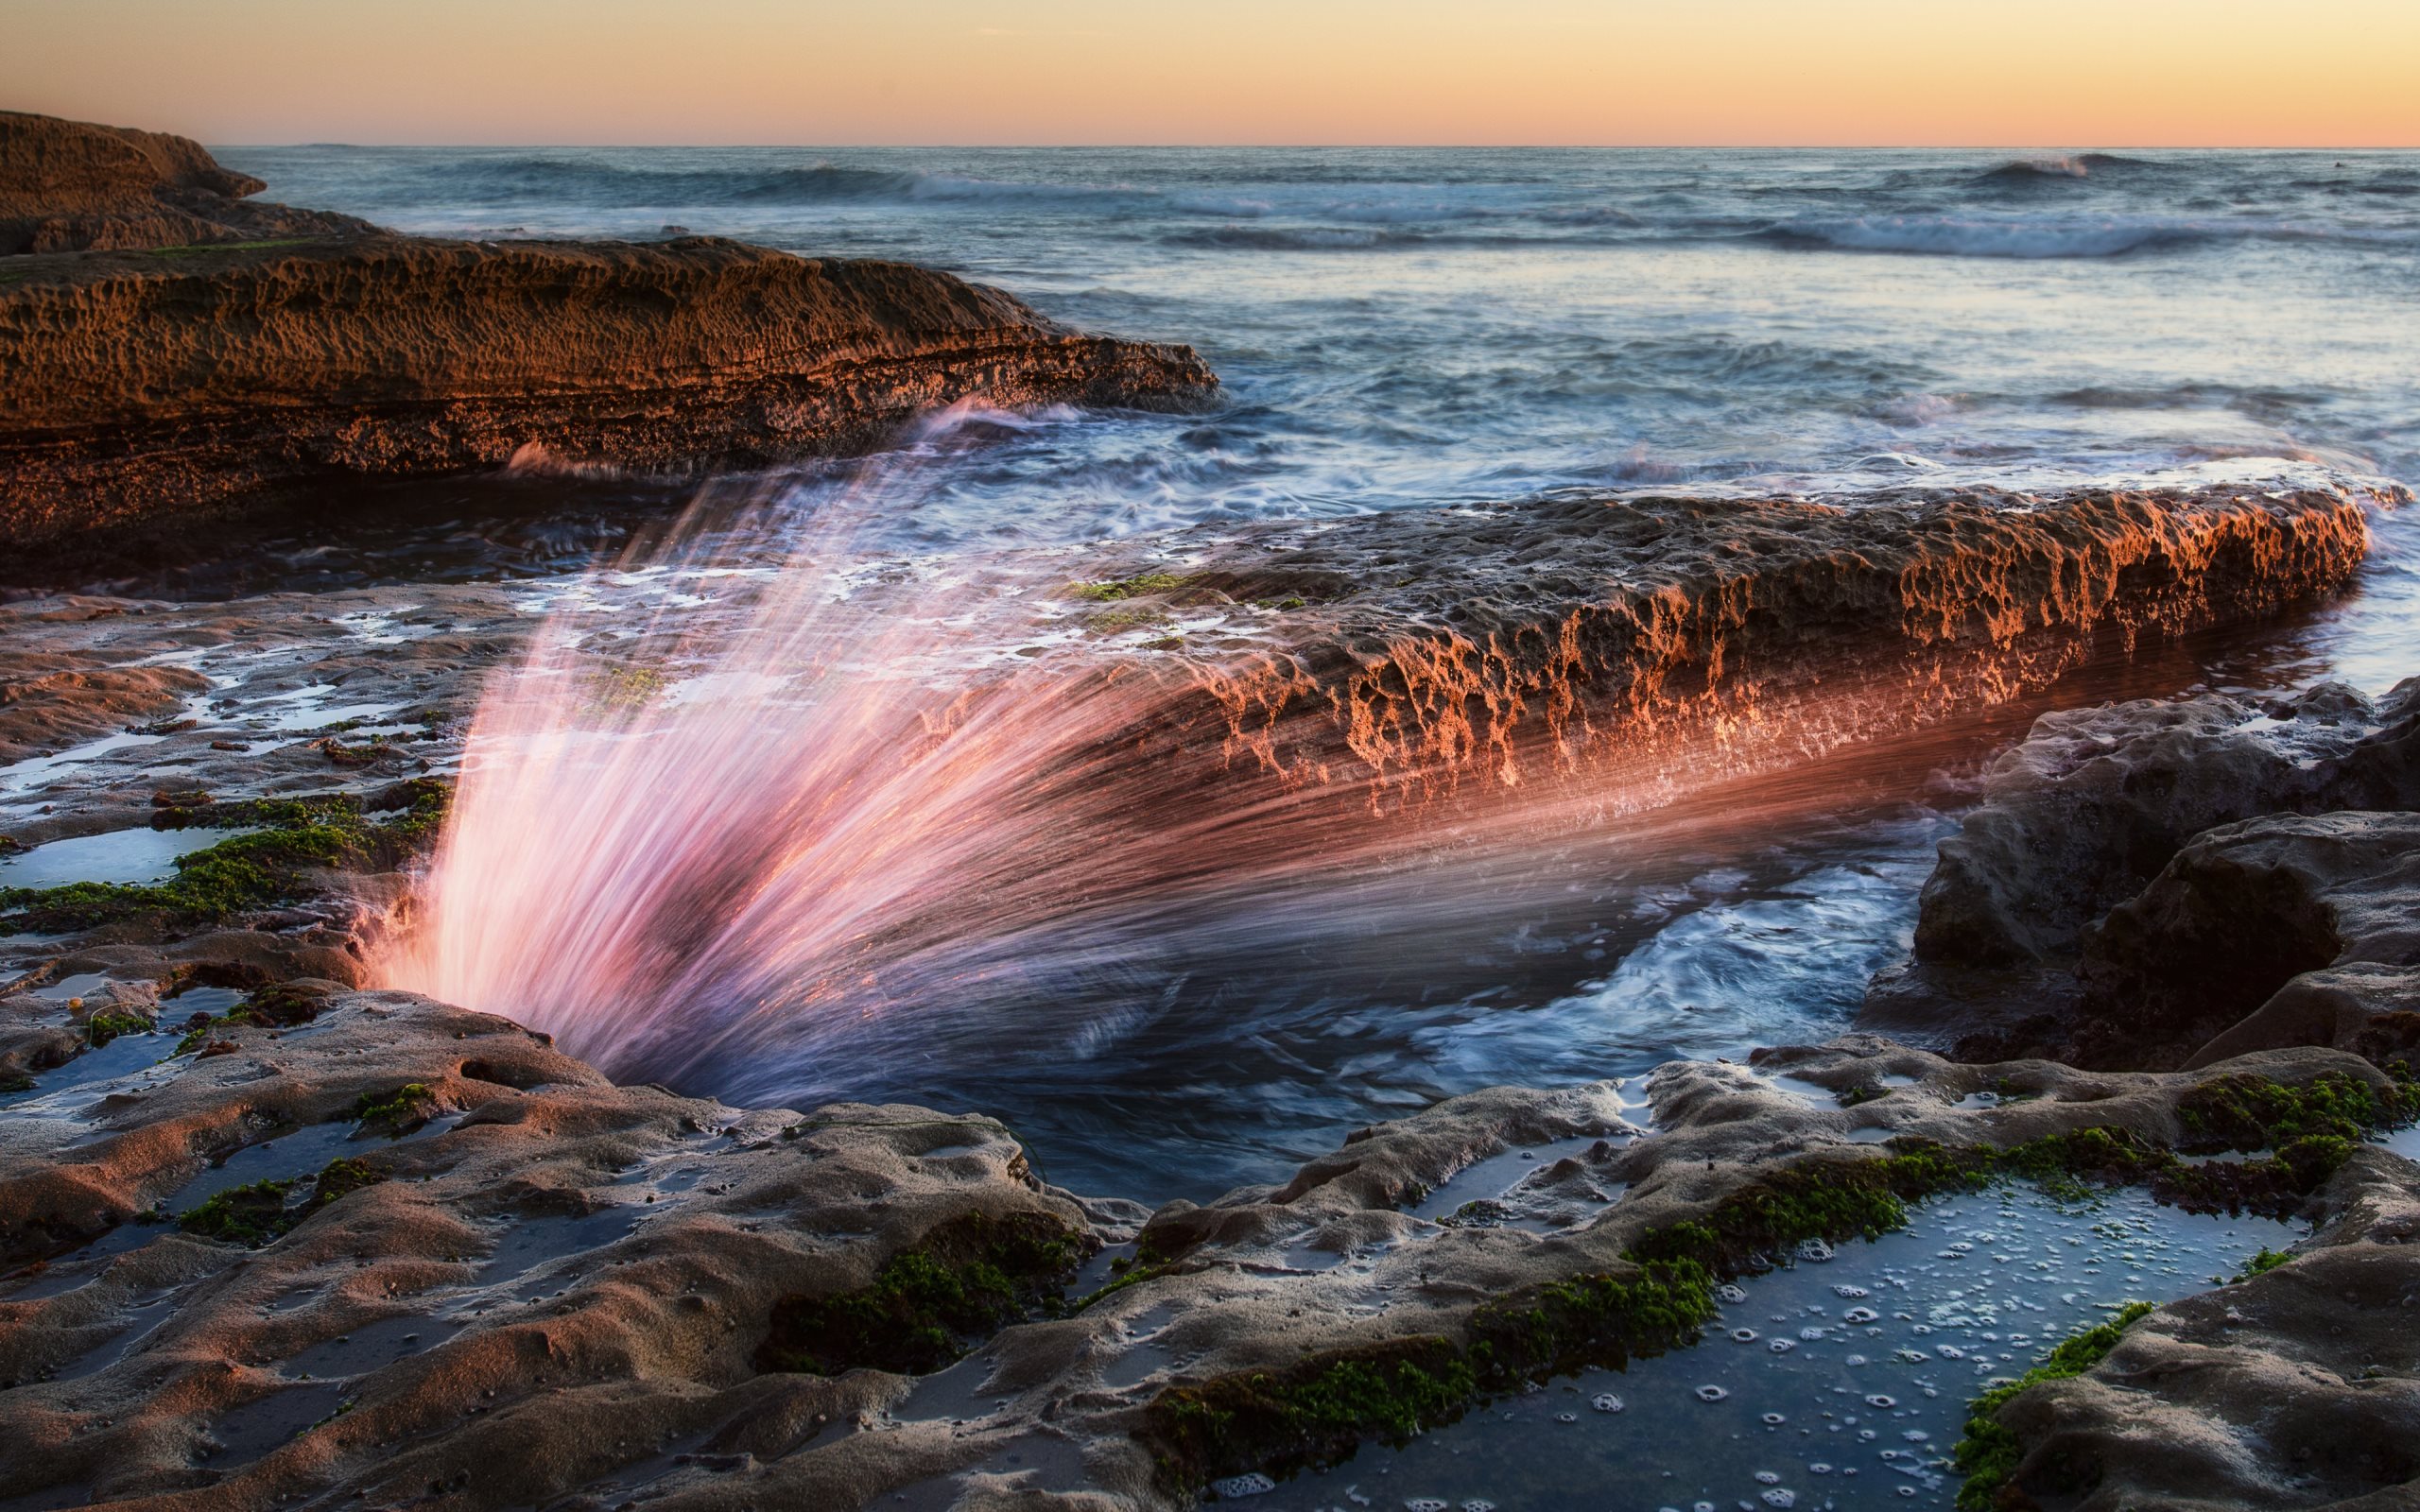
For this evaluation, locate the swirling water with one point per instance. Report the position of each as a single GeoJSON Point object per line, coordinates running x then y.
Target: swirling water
{"type": "Point", "coordinates": [1408, 329]}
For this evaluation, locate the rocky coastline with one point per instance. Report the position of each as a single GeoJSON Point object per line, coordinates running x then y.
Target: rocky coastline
{"type": "Point", "coordinates": [270, 1237]}
{"type": "Point", "coordinates": [742, 1303]}
{"type": "Point", "coordinates": [1408, 657]}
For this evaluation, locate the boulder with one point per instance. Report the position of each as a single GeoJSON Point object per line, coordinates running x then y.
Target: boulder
{"type": "Point", "coordinates": [2166, 883]}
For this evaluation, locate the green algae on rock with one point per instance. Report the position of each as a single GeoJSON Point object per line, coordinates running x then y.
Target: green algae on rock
{"type": "Point", "coordinates": [959, 1283]}
{"type": "Point", "coordinates": [260, 1213]}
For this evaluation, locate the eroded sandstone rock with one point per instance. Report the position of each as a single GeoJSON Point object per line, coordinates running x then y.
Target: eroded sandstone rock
{"type": "Point", "coordinates": [2244, 912]}
{"type": "Point", "coordinates": [72, 186]}
{"type": "Point", "coordinates": [2094, 802]}
{"type": "Point", "coordinates": [1413, 654]}
{"type": "Point", "coordinates": [146, 385]}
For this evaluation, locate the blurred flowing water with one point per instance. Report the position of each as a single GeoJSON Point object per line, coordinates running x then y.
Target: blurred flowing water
{"type": "Point", "coordinates": [1414, 329]}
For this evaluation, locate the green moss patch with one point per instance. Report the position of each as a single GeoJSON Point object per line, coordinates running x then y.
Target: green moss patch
{"type": "Point", "coordinates": [1316, 1412]}
{"type": "Point", "coordinates": [256, 1214]}
{"type": "Point", "coordinates": [1988, 1454]}
{"type": "Point", "coordinates": [280, 1005]}
{"type": "Point", "coordinates": [103, 1027]}
{"type": "Point", "coordinates": [399, 1111]}
{"type": "Point", "coordinates": [931, 1304]}
{"type": "Point", "coordinates": [1135, 587]}
{"type": "Point", "coordinates": [2254, 1114]}
{"type": "Point", "coordinates": [628, 687]}
{"type": "Point", "coordinates": [244, 872]}
{"type": "Point", "coordinates": [198, 1035]}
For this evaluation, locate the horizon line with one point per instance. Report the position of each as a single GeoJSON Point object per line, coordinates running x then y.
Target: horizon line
{"type": "Point", "coordinates": [1363, 147]}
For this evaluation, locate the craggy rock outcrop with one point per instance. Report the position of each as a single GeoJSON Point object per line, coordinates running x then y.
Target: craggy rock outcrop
{"type": "Point", "coordinates": [2298, 1387]}
{"type": "Point", "coordinates": [2283, 930]}
{"type": "Point", "coordinates": [485, 1277]}
{"type": "Point", "coordinates": [2095, 801]}
{"type": "Point", "coordinates": [1411, 651]}
{"type": "Point", "coordinates": [72, 186]}
{"type": "Point", "coordinates": [146, 386]}
{"type": "Point", "coordinates": [2159, 884]}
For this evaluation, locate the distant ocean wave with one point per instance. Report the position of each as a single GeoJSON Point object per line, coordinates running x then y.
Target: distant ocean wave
{"type": "Point", "coordinates": [1296, 238]}
{"type": "Point", "coordinates": [590, 182]}
{"type": "Point", "coordinates": [2080, 165]}
{"type": "Point", "coordinates": [2016, 238]}
{"type": "Point", "coordinates": [1946, 206]}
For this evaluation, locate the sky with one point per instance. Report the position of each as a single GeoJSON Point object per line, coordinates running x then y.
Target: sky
{"type": "Point", "coordinates": [2044, 72]}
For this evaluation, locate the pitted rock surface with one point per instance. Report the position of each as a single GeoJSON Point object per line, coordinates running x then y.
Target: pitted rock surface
{"type": "Point", "coordinates": [73, 186]}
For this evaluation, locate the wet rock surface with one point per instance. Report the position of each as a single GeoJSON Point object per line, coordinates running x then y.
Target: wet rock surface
{"type": "Point", "coordinates": [487, 1278]}
{"type": "Point", "coordinates": [2160, 882]}
{"type": "Point", "coordinates": [1496, 646]}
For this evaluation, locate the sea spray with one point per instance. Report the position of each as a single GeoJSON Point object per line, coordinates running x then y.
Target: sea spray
{"type": "Point", "coordinates": [861, 812]}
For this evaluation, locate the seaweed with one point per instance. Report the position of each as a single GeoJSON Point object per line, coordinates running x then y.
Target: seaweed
{"type": "Point", "coordinates": [2249, 1112]}
{"type": "Point", "coordinates": [1989, 1452]}
{"type": "Point", "coordinates": [962, 1281]}
{"type": "Point", "coordinates": [1134, 586]}
{"type": "Point", "coordinates": [250, 1215]}
{"type": "Point", "coordinates": [1317, 1411]}
{"type": "Point", "coordinates": [261, 1212]}
{"type": "Point", "coordinates": [103, 1027]}
{"type": "Point", "coordinates": [397, 1112]}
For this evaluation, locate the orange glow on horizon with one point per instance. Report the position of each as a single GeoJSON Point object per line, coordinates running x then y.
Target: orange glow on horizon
{"type": "Point", "coordinates": [2133, 73]}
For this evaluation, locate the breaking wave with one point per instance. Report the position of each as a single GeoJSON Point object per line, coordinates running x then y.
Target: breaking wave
{"type": "Point", "coordinates": [2013, 237]}
{"type": "Point", "coordinates": [2077, 165]}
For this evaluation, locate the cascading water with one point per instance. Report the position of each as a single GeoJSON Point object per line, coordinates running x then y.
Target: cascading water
{"type": "Point", "coordinates": [814, 816]}
{"type": "Point", "coordinates": [806, 822]}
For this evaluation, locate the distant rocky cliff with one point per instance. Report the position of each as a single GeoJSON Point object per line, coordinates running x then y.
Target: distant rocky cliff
{"type": "Point", "coordinates": [69, 186]}
{"type": "Point", "coordinates": [155, 377]}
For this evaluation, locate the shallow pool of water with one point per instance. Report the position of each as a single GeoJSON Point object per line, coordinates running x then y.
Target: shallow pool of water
{"type": "Point", "coordinates": [1835, 1383]}
{"type": "Point", "coordinates": [141, 855]}
{"type": "Point", "coordinates": [63, 1088]}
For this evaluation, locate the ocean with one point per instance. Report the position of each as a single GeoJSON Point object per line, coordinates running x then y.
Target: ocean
{"type": "Point", "coordinates": [1416, 329]}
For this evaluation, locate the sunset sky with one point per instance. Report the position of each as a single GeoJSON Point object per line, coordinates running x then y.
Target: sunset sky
{"type": "Point", "coordinates": [2335, 73]}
